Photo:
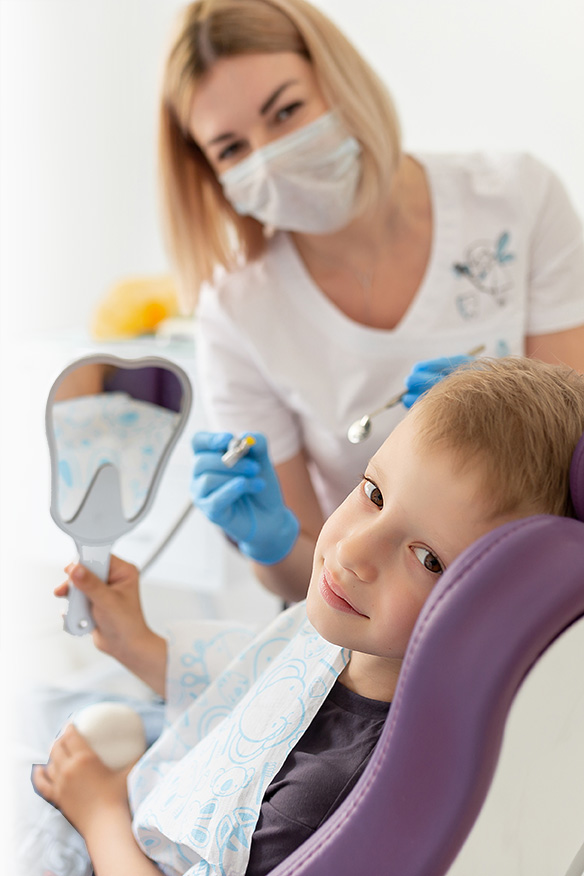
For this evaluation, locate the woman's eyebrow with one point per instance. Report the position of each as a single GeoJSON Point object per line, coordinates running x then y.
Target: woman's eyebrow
{"type": "Point", "coordinates": [228, 135]}
{"type": "Point", "coordinates": [265, 107]}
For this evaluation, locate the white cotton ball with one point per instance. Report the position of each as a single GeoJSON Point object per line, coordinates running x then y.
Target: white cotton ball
{"type": "Point", "coordinates": [114, 731]}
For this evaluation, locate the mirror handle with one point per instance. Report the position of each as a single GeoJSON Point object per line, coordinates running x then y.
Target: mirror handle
{"type": "Point", "coordinates": [78, 621]}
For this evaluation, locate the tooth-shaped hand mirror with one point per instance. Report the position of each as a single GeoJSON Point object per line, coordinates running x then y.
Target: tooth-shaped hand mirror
{"type": "Point", "coordinates": [111, 425]}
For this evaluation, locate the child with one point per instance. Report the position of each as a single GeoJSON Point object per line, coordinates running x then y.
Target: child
{"type": "Point", "coordinates": [265, 743]}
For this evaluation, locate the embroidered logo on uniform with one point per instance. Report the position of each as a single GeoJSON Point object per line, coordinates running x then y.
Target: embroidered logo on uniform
{"type": "Point", "coordinates": [485, 267]}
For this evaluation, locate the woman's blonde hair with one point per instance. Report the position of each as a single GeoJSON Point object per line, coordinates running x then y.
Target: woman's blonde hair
{"type": "Point", "coordinates": [202, 229]}
{"type": "Point", "coordinates": [520, 419]}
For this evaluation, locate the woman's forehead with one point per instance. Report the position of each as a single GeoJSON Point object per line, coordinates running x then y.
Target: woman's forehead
{"type": "Point", "coordinates": [238, 87]}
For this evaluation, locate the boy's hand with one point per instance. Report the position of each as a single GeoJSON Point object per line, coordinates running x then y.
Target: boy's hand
{"type": "Point", "coordinates": [119, 622]}
{"type": "Point", "coordinates": [120, 628]}
{"type": "Point", "coordinates": [77, 783]}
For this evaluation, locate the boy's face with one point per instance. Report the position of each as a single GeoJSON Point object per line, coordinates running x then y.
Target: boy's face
{"type": "Point", "coordinates": [381, 552]}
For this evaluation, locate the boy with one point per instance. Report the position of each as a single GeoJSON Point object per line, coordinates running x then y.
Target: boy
{"type": "Point", "coordinates": [222, 789]}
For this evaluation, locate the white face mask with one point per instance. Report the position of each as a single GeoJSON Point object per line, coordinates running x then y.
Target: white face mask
{"type": "Point", "coordinates": [305, 181]}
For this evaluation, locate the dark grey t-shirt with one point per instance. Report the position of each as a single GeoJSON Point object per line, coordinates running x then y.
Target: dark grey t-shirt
{"type": "Point", "coordinates": [316, 776]}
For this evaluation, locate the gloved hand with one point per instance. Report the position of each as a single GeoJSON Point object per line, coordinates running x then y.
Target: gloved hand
{"type": "Point", "coordinates": [246, 500]}
{"type": "Point", "coordinates": [425, 374]}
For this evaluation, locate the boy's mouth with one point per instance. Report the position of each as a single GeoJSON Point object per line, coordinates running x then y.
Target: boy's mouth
{"type": "Point", "coordinates": [334, 596]}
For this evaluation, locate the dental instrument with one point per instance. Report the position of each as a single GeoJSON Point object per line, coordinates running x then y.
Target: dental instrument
{"type": "Point", "coordinates": [236, 449]}
{"type": "Point", "coordinates": [361, 429]}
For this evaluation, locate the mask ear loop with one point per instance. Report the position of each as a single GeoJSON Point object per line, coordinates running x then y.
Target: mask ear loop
{"type": "Point", "coordinates": [577, 479]}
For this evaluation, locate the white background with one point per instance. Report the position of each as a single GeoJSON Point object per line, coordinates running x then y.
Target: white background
{"type": "Point", "coordinates": [79, 81]}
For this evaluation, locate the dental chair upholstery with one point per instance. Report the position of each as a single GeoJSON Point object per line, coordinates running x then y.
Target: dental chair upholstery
{"type": "Point", "coordinates": [494, 612]}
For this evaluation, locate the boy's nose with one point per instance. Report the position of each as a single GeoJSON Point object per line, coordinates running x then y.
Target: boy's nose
{"type": "Point", "coordinates": [357, 553]}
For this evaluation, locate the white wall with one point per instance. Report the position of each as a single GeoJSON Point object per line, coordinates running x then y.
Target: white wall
{"type": "Point", "coordinates": [79, 94]}
{"type": "Point", "coordinates": [78, 117]}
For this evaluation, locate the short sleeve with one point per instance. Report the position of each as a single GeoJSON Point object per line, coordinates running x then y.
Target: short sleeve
{"type": "Point", "coordinates": [235, 389]}
{"type": "Point", "coordinates": [556, 279]}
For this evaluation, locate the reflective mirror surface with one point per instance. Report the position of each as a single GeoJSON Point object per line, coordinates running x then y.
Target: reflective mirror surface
{"type": "Point", "coordinates": [107, 414]}
{"type": "Point", "coordinates": [111, 424]}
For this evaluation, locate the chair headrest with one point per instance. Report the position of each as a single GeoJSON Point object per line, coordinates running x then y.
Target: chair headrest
{"type": "Point", "coordinates": [577, 479]}
{"type": "Point", "coordinates": [485, 624]}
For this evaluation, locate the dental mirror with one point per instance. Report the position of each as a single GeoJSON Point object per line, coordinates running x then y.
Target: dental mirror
{"type": "Point", "coordinates": [361, 429]}
{"type": "Point", "coordinates": [111, 424]}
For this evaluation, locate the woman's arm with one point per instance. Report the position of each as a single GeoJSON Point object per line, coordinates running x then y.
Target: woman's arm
{"type": "Point", "coordinates": [289, 578]}
{"type": "Point", "coordinates": [95, 800]}
{"type": "Point", "coordinates": [276, 532]}
{"type": "Point", "coordinates": [121, 630]}
{"type": "Point", "coordinates": [566, 347]}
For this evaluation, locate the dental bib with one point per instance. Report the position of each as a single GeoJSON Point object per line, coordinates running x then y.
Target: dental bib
{"type": "Point", "coordinates": [196, 795]}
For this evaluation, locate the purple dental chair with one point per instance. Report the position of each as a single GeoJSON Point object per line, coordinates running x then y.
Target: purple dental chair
{"type": "Point", "coordinates": [492, 615]}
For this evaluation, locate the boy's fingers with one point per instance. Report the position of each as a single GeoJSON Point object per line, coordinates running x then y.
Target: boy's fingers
{"type": "Point", "coordinates": [59, 752]}
{"type": "Point", "coordinates": [121, 570]}
{"type": "Point", "coordinates": [85, 580]}
{"type": "Point", "coordinates": [41, 782]}
{"type": "Point", "coordinates": [63, 589]}
{"type": "Point", "coordinates": [73, 741]}
{"type": "Point", "coordinates": [118, 565]}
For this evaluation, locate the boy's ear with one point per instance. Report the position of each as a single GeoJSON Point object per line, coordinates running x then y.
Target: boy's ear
{"type": "Point", "coordinates": [577, 479]}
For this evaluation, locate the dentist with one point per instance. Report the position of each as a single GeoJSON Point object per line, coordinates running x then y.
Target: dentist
{"type": "Point", "coordinates": [324, 265]}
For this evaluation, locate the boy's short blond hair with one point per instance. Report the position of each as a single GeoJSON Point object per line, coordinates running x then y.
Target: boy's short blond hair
{"type": "Point", "coordinates": [203, 231]}
{"type": "Point", "coordinates": [519, 418]}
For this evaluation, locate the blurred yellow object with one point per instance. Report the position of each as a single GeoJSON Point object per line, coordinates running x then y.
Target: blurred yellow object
{"type": "Point", "coordinates": [134, 306]}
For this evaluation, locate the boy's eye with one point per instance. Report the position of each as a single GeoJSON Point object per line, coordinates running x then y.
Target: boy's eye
{"type": "Point", "coordinates": [373, 492]}
{"type": "Point", "coordinates": [429, 560]}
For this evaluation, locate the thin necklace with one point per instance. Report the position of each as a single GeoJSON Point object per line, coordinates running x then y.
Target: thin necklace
{"type": "Point", "coordinates": [364, 280]}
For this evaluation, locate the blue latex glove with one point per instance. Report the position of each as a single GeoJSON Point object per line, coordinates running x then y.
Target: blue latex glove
{"type": "Point", "coordinates": [246, 500]}
{"type": "Point", "coordinates": [425, 374]}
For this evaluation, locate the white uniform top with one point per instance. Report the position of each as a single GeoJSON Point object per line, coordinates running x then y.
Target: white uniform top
{"type": "Point", "coordinates": [276, 356]}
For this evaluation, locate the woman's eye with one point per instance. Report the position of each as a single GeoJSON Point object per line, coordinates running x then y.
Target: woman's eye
{"type": "Point", "coordinates": [230, 151]}
{"type": "Point", "coordinates": [373, 492]}
{"type": "Point", "coordinates": [283, 114]}
{"type": "Point", "coordinates": [428, 560]}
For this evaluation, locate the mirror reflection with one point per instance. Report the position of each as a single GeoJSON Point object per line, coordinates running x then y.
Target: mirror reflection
{"type": "Point", "coordinates": [103, 413]}
{"type": "Point", "coordinates": [111, 425]}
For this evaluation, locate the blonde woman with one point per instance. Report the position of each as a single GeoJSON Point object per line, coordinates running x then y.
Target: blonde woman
{"type": "Point", "coordinates": [326, 267]}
